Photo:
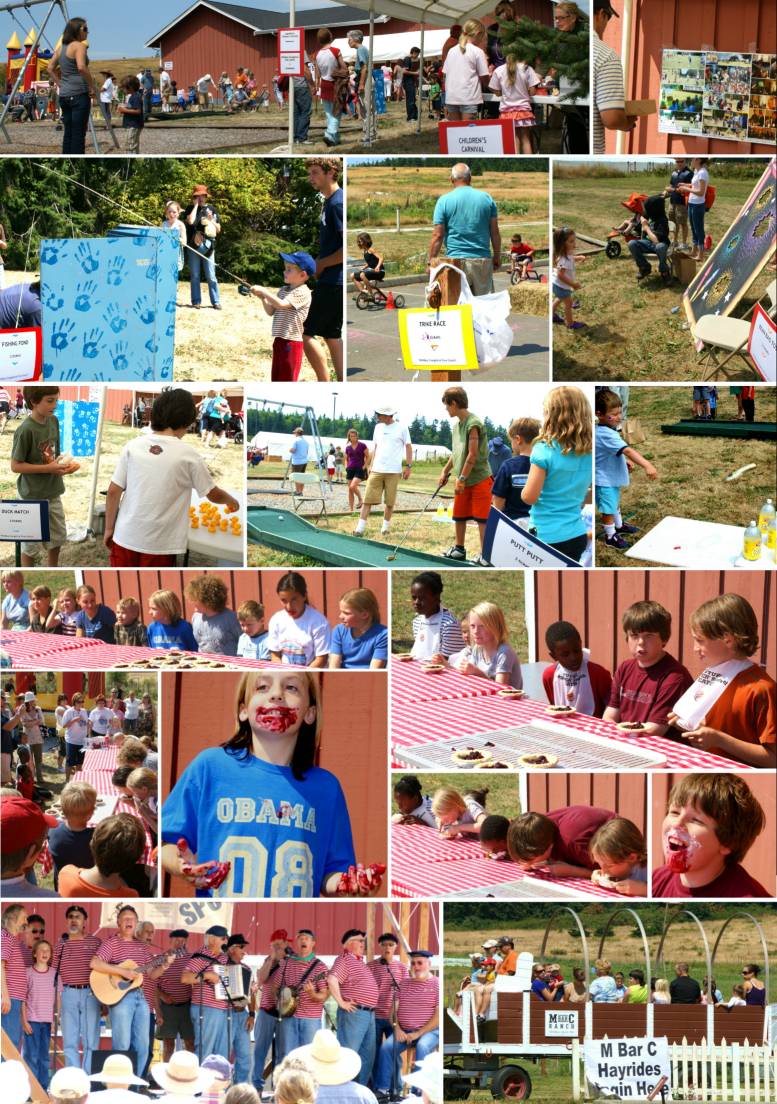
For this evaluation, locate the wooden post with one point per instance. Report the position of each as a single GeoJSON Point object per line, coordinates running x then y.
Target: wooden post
{"type": "Point", "coordinates": [450, 289]}
{"type": "Point", "coordinates": [371, 906]}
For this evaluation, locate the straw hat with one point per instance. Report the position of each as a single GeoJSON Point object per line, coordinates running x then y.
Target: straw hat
{"type": "Point", "coordinates": [69, 1081]}
{"type": "Point", "coordinates": [330, 1063]}
{"type": "Point", "coordinates": [182, 1075]}
{"type": "Point", "coordinates": [117, 1070]}
{"type": "Point", "coordinates": [428, 1077]}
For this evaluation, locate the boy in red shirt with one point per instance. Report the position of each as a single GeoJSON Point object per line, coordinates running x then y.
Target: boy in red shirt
{"type": "Point", "coordinates": [521, 255]}
{"type": "Point", "coordinates": [574, 679]}
{"type": "Point", "coordinates": [731, 709]}
{"type": "Point", "coordinates": [646, 686]}
{"type": "Point", "coordinates": [711, 822]}
{"type": "Point", "coordinates": [557, 843]}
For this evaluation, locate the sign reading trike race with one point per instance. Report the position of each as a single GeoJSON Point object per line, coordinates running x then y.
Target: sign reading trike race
{"type": "Point", "coordinates": [628, 1069]}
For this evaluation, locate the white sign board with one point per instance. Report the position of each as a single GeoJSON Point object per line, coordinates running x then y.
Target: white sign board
{"type": "Point", "coordinates": [507, 544]}
{"type": "Point", "coordinates": [762, 344]}
{"type": "Point", "coordinates": [563, 1024]}
{"type": "Point", "coordinates": [626, 1069]}
{"type": "Point", "coordinates": [290, 51]}
{"type": "Point", "coordinates": [441, 339]}
{"type": "Point", "coordinates": [192, 916]}
{"type": "Point", "coordinates": [24, 521]}
{"type": "Point", "coordinates": [19, 354]}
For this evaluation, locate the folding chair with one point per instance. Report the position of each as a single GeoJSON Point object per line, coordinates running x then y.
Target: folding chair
{"type": "Point", "coordinates": [308, 479]}
{"type": "Point", "coordinates": [722, 335]}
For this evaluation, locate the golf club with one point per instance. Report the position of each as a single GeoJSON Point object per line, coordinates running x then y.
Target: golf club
{"type": "Point", "coordinates": [424, 508]}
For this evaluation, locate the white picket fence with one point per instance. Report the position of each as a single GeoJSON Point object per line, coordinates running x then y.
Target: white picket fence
{"type": "Point", "coordinates": [742, 1073]}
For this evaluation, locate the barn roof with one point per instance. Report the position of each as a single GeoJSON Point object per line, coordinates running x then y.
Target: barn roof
{"type": "Point", "coordinates": [263, 21]}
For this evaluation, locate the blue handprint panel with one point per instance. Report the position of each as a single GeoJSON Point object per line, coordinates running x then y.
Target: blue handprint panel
{"type": "Point", "coordinates": [78, 426]}
{"type": "Point", "coordinates": [109, 306]}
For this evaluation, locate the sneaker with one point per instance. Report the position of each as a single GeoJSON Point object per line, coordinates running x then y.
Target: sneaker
{"type": "Point", "coordinates": [558, 319]}
{"type": "Point", "coordinates": [328, 141]}
{"type": "Point", "coordinates": [616, 542]}
{"type": "Point", "coordinates": [456, 552]}
{"type": "Point", "coordinates": [627, 528]}
{"type": "Point", "coordinates": [577, 326]}
{"type": "Point", "coordinates": [481, 561]}
{"type": "Point", "coordinates": [643, 275]}
{"type": "Point", "coordinates": [217, 306]}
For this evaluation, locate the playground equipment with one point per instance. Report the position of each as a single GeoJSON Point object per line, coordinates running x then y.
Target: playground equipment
{"type": "Point", "coordinates": [483, 1055]}
{"type": "Point", "coordinates": [36, 70]}
{"type": "Point", "coordinates": [261, 405]}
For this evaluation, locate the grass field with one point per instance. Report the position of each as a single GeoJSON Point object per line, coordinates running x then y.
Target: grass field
{"type": "Point", "coordinates": [633, 331]}
{"type": "Point", "coordinates": [692, 470]}
{"type": "Point", "coordinates": [225, 465]}
{"type": "Point", "coordinates": [502, 797]}
{"type": "Point", "coordinates": [462, 591]}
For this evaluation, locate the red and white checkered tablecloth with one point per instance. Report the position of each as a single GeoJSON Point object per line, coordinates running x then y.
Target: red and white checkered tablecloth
{"type": "Point", "coordinates": [437, 874]}
{"type": "Point", "coordinates": [100, 759]}
{"type": "Point", "coordinates": [410, 683]}
{"type": "Point", "coordinates": [424, 722]}
{"type": "Point", "coordinates": [27, 649]}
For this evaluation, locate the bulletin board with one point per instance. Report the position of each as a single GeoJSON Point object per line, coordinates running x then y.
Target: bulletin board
{"type": "Point", "coordinates": [714, 94]}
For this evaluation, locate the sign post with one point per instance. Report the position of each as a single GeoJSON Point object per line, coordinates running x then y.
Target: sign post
{"type": "Point", "coordinates": [291, 62]}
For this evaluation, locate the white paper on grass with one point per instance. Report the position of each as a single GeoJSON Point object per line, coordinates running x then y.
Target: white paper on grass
{"type": "Point", "coordinates": [684, 542]}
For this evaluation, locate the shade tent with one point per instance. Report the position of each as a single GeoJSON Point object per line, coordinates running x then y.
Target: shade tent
{"type": "Point", "coordinates": [389, 47]}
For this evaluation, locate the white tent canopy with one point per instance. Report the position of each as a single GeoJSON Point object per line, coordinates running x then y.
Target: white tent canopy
{"type": "Point", "coordinates": [280, 443]}
{"type": "Point", "coordinates": [441, 13]}
{"type": "Point", "coordinates": [394, 47]}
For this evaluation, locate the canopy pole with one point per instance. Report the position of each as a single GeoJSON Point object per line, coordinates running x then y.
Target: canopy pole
{"type": "Point", "coordinates": [368, 86]}
{"type": "Point", "coordinates": [620, 137]}
{"type": "Point", "coordinates": [420, 94]}
{"type": "Point", "coordinates": [96, 463]}
{"type": "Point", "coordinates": [292, 21]}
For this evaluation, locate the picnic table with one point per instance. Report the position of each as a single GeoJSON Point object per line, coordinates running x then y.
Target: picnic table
{"type": "Point", "coordinates": [425, 729]}
{"type": "Point", "coordinates": [70, 653]}
{"type": "Point", "coordinates": [424, 864]}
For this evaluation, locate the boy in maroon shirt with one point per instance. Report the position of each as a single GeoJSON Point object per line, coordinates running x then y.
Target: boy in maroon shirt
{"type": "Point", "coordinates": [711, 822]}
{"type": "Point", "coordinates": [557, 843]}
{"type": "Point", "coordinates": [646, 686]}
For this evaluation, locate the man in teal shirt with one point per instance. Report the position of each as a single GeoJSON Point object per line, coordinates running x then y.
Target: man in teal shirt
{"type": "Point", "coordinates": [466, 221]}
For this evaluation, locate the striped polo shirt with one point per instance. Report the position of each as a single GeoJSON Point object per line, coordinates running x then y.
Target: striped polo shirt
{"type": "Point", "coordinates": [418, 1001]}
{"type": "Point", "coordinates": [74, 956]}
{"type": "Point", "coordinates": [203, 992]}
{"type": "Point", "coordinates": [269, 997]}
{"type": "Point", "coordinates": [357, 982]}
{"type": "Point", "coordinates": [170, 984]}
{"type": "Point", "coordinates": [607, 87]}
{"type": "Point", "coordinates": [441, 632]}
{"type": "Point", "coordinates": [383, 974]}
{"type": "Point", "coordinates": [15, 967]}
{"type": "Point", "coordinates": [40, 995]}
{"type": "Point", "coordinates": [149, 983]}
{"type": "Point", "coordinates": [117, 950]}
{"type": "Point", "coordinates": [307, 1008]}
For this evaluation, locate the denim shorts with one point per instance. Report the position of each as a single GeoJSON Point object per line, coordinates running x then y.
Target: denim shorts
{"type": "Point", "coordinates": [561, 292]}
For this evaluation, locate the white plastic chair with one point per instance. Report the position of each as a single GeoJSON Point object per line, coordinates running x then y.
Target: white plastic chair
{"type": "Point", "coordinates": [727, 337]}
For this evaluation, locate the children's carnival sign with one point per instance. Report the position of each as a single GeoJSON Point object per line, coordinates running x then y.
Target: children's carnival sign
{"type": "Point", "coordinates": [26, 520]}
{"type": "Point", "coordinates": [489, 137]}
{"type": "Point", "coordinates": [626, 1069]}
{"type": "Point", "coordinates": [438, 338]}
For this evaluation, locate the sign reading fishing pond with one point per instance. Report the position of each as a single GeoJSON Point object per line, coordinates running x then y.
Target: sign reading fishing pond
{"type": "Point", "coordinates": [626, 1069]}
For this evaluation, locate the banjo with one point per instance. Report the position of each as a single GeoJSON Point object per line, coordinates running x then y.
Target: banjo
{"type": "Point", "coordinates": [110, 988]}
{"type": "Point", "coordinates": [287, 996]}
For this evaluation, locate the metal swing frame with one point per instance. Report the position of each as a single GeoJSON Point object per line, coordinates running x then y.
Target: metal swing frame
{"type": "Point", "coordinates": [318, 446]}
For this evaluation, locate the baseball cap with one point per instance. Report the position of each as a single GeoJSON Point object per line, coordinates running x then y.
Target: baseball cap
{"type": "Point", "coordinates": [219, 1065]}
{"type": "Point", "coordinates": [353, 933]}
{"type": "Point", "coordinates": [301, 260]}
{"type": "Point", "coordinates": [29, 696]}
{"type": "Point", "coordinates": [179, 933]}
{"type": "Point", "coordinates": [23, 823]}
{"type": "Point", "coordinates": [605, 6]}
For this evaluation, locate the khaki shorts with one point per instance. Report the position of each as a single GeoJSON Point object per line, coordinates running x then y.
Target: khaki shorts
{"type": "Point", "coordinates": [57, 530]}
{"type": "Point", "coordinates": [381, 486]}
{"type": "Point", "coordinates": [479, 272]}
{"type": "Point", "coordinates": [679, 214]}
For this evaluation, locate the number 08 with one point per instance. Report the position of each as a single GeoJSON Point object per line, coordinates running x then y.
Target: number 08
{"type": "Point", "coordinates": [293, 876]}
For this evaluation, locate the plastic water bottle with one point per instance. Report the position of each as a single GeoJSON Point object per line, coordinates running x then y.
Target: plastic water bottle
{"type": "Point", "coordinates": [770, 539]}
{"type": "Point", "coordinates": [752, 543]}
{"type": "Point", "coordinates": [766, 516]}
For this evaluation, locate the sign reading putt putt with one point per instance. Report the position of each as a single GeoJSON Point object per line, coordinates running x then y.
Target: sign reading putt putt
{"type": "Point", "coordinates": [762, 344]}
{"type": "Point", "coordinates": [506, 544]}
{"type": "Point", "coordinates": [438, 339]}
{"type": "Point", "coordinates": [24, 521]}
{"type": "Point", "coordinates": [21, 354]}
{"type": "Point", "coordinates": [626, 1069]}
{"type": "Point", "coordinates": [490, 137]}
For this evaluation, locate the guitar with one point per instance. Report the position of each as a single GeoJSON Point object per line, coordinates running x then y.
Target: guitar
{"type": "Point", "coordinates": [110, 988]}
{"type": "Point", "coordinates": [287, 996]}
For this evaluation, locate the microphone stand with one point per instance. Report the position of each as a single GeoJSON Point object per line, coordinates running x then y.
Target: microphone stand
{"type": "Point", "coordinates": [54, 1013]}
{"type": "Point", "coordinates": [230, 1007]}
{"type": "Point", "coordinates": [278, 1016]}
{"type": "Point", "coordinates": [394, 1025]}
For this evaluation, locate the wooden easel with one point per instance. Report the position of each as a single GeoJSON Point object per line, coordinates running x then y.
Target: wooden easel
{"type": "Point", "coordinates": [10, 1054]}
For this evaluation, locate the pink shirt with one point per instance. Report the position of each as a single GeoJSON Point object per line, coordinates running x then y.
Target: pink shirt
{"type": "Point", "coordinates": [40, 995]}
{"type": "Point", "coordinates": [462, 70]}
{"type": "Point", "coordinates": [383, 972]}
{"type": "Point", "coordinates": [514, 96]}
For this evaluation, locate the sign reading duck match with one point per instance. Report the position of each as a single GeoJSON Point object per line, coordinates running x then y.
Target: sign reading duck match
{"type": "Point", "coordinates": [626, 1069]}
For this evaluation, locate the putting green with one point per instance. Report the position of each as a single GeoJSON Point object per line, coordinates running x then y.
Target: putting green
{"type": "Point", "coordinates": [754, 431]}
{"type": "Point", "coordinates": [287, 531]}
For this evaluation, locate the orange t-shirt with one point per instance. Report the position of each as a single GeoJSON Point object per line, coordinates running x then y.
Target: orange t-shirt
{"type": "Point", "coordinates": [71, 884]}
{"type": "Point", "coordinates": [508, 964]}
{"type": "Point", "coordinates": [747, 708]}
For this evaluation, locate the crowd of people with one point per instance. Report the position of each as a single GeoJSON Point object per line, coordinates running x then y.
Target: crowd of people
{"type": "Point", "coordinates": [242, 1026]}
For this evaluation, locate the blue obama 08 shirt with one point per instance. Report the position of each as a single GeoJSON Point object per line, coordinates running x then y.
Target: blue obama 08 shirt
{"type": "Point", "coordinates": [283, 836]}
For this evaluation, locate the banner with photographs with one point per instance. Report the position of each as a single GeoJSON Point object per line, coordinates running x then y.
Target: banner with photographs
{"type": "Point", "coordinates": [712, 94]}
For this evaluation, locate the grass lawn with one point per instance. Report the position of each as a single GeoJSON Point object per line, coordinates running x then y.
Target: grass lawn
{"type": "Point", "coordinates": [692, 470]}
{"type": "Point", "coordinates": [634, 331]}
{"type": "Point", "coordinates": [462, 591]}
{"type": "Point", "coordinates": [226, 465]}
{"type": "Point", "coordinates": [502, 789]}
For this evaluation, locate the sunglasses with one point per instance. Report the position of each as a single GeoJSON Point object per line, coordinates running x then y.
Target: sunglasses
{"type": "Point", "coordinates": [36, 931]}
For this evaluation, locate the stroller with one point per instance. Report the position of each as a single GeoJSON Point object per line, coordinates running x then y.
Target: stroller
{"type": "Point", "coordinates": [235, 429]}
{"type": "Point", "coordinates": [630, 230]}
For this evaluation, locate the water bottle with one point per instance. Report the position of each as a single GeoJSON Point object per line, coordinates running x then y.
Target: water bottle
{"type": "Point", "coordinates": [708, 243]}
{"type": "Point", "coordinates": [770, 539]}
{"type": "Point", "coordinates": [752, 542]}
{"type": "Point", "coordinates": [766, 516]}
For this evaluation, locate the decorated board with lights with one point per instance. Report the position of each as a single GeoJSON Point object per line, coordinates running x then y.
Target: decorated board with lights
{"type": "Point", "coordinates": [740, 255]}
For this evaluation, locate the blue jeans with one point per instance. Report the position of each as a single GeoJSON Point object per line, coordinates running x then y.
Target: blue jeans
{"type": "Point", "coordinates": [357, 1031]}
{"type": "Point", "coordinates": [410, 88]}
{"type": "Point", "coordinates": [383, 1030]}
{"type": "Point", "coordinates": [241, 1047]}
{"type": "Point", "coordinates": [696, 212]}
{"type": "Point", "coordinates": [130, 1020]}
{"type": "Point", "coordinates": [303, 105]}
{"type": "Point", "coordinates": [211, 1038]}
{"type": "Point", "coordinates": [36, 1051]}
{"type": "Point", "coordinates": [296, 1031]}
{"type": "Point", "coordinates": [332, 121]}
{"type": "Point", "coordinates": [644, 247]}
{"type": "Point", "coordinates": [425, 1045]}
{"type": "Point", "coordinates": [80, 1023]}
{"type": "Point", "coordinates": [75, 120]}
{"type": "Point", "coordinates": [264, 1032]}
{"type": "Point", "coordinates": [12, 1023]}
{"type": "Point", "coordinates": [199, 266]}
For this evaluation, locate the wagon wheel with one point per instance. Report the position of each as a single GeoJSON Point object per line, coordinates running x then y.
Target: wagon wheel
{"type": "Point", "coordinates": [511, 1083]}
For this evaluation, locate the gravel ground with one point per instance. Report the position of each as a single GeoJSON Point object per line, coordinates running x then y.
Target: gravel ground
{"type": "Point", "coordinates": [336, 502]}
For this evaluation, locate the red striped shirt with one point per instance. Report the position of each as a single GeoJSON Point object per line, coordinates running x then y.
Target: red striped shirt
{"type": "Point", "coordinates": [203, 992]}
{"type": "Point", "coordinates": [418, 1001]}
{"type": "Point", "coordinates": [171, 985]}
{"type": "Point", "coordinates": [383, 974]}
{"type": "Point", "coordinates": [76, 954]}
{"type": "Point", "coordinates": [15, 967]}
{"type": "Point", "coordinates": [356, 980]}
{"type": "Point", "coordinates": [307, 1008]}
{"type": "Point", "coordinates": [117, 950]}
{"type": "Point", "coordinates": [26, 953]}
{"type": "Point", "coordinates": [149, 983]}
{"type": "Point", "coordinates": [269, 996]}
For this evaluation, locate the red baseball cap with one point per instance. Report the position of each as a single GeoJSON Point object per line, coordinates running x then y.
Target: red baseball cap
{"type": "Point", "coordinates": [22, 823]}
{"type": "Point", "coordinates": [279, 933]}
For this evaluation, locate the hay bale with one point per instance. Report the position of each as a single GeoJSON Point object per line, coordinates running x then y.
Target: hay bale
{"type": "Point", "coordinates": [529, 297]}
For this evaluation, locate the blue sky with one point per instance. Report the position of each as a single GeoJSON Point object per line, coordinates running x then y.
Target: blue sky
{"type": "Point", "coordinates": [119, 28]}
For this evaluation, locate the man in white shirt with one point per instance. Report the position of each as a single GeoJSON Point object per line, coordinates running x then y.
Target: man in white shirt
{"type": "Point", "coordinates": [391, 441]}
{"type": "Point", "coordinates": [609, 96]}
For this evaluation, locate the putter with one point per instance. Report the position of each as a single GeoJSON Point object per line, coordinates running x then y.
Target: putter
{"type": "Point", "coordinates": [425, 507]}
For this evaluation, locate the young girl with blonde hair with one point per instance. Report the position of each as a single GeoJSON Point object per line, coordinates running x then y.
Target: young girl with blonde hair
{"type": "Point", "coordinates": [559, 477]}
{"type": "Point", "coordinates": [466, 72]}
{"type": "Point", "coordinates": [166, 625]}
{"type": "Point", "coordinates": [515, 83]}
{"type": "Point", "coordinates": [459, 814]}
{"type": "Point", "coordinates": [359, 641]}
{"type": "Point", "coordinates": [488, 654]}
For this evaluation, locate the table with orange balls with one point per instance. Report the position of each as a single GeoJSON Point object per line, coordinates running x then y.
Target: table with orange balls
{"type": "Point", "coordinates": [215, 532]}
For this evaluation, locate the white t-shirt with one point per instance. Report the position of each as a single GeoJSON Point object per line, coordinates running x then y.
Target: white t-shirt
{"type": "Point", "coordinates": [100, 720]}
{"type": "Point", "coordinates": [327, 63]}
{"type": "Point", "coordinates": [299, 639]}
{"type": "Point", "coordinates": [565, 264]}
{"type": "Point", "coordinates": [699, 176]}
{"type": "Point", "coordinates": [76, 733]}
{"type": "Point", "coordinates": [462, 75]}
{"type": "Point", "coordinates": [131, 712]}
{"type": "Point", "coordinates": [389, 441]}
{"type": "Point", "coordinates": [518, 95]}
{"type": "Point", "coordinates": [164, 84]}
{"type": "Point", "coordinates": [106, 92]}
{"type": "Point", "coordinates": [157, 474]}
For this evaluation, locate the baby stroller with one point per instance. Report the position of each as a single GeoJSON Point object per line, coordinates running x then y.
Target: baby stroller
{"type": "Point", "coordinates": [630, 230]}
{"type": "Point", "coordinates": [235, 429]}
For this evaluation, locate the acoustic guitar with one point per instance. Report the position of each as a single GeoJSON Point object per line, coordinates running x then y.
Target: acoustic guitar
{"type": "Point", "coordinates": [110, 988]}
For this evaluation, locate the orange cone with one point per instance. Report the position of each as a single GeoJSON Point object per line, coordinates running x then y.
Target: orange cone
{"type": "Point", "coordinates": [390, 305]}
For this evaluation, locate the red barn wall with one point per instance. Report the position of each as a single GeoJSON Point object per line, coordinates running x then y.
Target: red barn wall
{"type": "Point", "coordinates": [624, 794]}
{"type": "Point", "coordinates": [749, 26]}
